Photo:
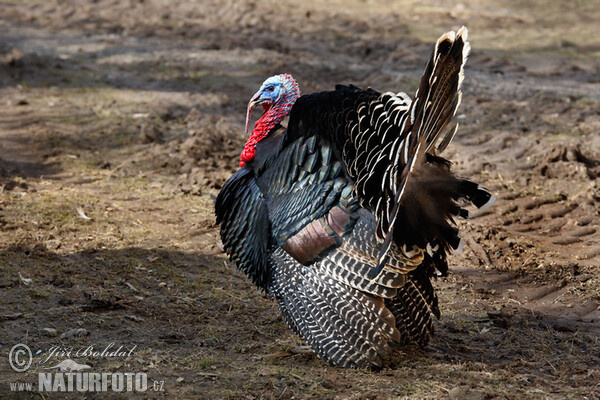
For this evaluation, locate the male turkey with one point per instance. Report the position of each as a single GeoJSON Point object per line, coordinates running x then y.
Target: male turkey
{"type": "Point", "coordinates": [344, 217]}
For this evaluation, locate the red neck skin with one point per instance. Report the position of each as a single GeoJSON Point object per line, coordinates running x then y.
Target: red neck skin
{"type": "Point", "coordinates": [262, 127]}
{"type": "Point", "coordinates": [273, 114]}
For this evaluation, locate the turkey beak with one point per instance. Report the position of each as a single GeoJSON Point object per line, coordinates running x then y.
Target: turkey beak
{"type": "Point", "coordinates": [254, 101]}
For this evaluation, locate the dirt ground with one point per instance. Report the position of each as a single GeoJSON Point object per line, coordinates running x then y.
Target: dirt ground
{"type": "Point", "coordinates": [121, 119]}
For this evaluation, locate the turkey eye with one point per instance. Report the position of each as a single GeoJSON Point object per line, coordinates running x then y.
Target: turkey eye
{"type": "Point", "coordinates": [270, 88]}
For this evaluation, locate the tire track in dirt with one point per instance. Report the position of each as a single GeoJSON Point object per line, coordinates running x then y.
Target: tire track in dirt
{"type": "Point", "coordinates": [543, 230]}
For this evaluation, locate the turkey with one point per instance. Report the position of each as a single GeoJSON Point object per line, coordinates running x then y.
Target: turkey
{"type": "Point", "coordinates": [344, 217]}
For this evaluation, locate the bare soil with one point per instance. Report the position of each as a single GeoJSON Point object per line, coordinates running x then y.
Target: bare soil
{"type": "Point", "coordinates": [132, 112]}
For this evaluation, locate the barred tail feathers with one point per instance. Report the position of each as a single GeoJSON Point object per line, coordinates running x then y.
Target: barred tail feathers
{"type": "Point", "coordinates": [434, 105]}
{"type": "Point", "coordinates": [425, 200]}
{"type": "Point", "coordinates": [439, 93]}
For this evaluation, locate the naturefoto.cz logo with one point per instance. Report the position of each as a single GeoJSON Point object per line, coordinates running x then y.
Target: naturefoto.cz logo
{"type": "Point", "coordinates": [70, 376]}
{"type": "Point", "coordinates": [92, 382]}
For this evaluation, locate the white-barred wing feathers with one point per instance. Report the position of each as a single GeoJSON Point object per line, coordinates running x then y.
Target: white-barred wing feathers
{"type": "Point", "coordinates": [344, 216]}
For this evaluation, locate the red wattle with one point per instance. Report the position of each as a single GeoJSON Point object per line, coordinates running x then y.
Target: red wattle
{"type": "Point", "coordinates": [261, 129]}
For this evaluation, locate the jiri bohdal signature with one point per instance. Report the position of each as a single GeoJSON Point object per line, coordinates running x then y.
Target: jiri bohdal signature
{"type": "Point", "coordinates": [89, 351]}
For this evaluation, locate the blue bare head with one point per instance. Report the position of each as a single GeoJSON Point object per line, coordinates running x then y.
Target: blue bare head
{"type": "Point", "coordinates": [271, 90]}
{"type": "Point", "coordinates": [277, 95]}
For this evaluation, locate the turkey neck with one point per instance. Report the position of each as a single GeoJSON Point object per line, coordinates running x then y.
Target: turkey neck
{"type": "Point", "coordinates": [269, 120]}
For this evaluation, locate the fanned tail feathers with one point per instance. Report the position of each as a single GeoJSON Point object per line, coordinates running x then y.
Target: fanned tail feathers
{"type": "Point", "coordinates": [427, 193]}
{"type": "Point", "coordinates": [439, 93]}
